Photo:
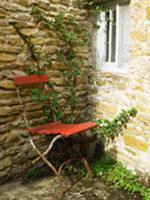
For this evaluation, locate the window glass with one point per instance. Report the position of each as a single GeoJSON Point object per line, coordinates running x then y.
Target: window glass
{"type": "Point", "coordinates": [110, 43]}
{"type": "Point", "coordinates": [107, 19]}
{"type": "Point", "coordinates": [113, 41]}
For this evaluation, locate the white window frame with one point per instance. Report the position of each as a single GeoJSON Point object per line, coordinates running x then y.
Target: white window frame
{"type": "Point", "coordinates": [122, 45]}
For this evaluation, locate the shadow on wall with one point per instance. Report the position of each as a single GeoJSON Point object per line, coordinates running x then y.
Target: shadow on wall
{"type": "Point", "coordinates": [111, 150]}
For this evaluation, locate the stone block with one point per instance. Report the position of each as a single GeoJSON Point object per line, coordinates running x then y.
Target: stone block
{"type": "Point", "coordinates": [2, 13]}
{"type": "Point", "coordinates": [2, 155]}
{"type": "Point", "coordinates": [145, 119]}
{"type": "Point", "coordinates": [138, 36]}
{"type": "Point", "coordinates": [25, 2]}
{"type": "Point", "coordinates": [66, 2]}
{"type": "Point", "coordinates": [5, 163]}
{"type": "Point", "coordinates": [8, 138]}
{"type": "Point", "coordinates": [10, 49]}
{"type": "Point", "coordinates": [57, 81]}
{"type": "Point", "coordinates": [4, 57]}
{"type": "Point", "coordinates": [7, 84]}
{"type": "Point", "coordinates": [107, 107]}
{"type": "Point", "coordinates": [132, 141]}
{"type": "Point", "coordinates": [133, 130]}
{"type": "Point", "coordinates": [143, 108]}
{"type": "Point", "coordinates": [43, 41]}
{"type": "Point", "coordinates": [131, 151]}
{"type": "Point", "coordinates": [8, 111]}
{"type": "Point", "coordinates": [147, 13]}
{"type": "Point", "coordinates": [29, 32]}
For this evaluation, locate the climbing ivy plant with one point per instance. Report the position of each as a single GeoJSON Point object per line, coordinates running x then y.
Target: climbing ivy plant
{"type": "Point", "coordinates": [65, 54]}
{"type": "Point", "coordinates": [93, 6]}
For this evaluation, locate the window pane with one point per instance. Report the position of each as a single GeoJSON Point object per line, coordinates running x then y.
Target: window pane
{"type": "Point", "coordinates": [110, 42]}
{"type": "Point", "coordinates": [107, 18]}
{"type": "Point", "coordinates": [113, 36]}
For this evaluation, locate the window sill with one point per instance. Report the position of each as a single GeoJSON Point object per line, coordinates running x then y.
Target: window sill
{"type": "Point", "coordinates": [116, 71]}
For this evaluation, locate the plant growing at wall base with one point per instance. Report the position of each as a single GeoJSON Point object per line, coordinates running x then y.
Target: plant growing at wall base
{"type": "Point", "coordinates": [115, 173]}
{"type": "Point", "coordinates": [111, 128]}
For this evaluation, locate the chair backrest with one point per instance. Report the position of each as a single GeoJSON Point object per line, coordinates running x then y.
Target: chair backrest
{"type": "Point", "coordinates": [27, 80]}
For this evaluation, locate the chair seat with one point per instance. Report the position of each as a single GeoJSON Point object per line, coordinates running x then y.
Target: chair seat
{"type": "Point", "coordinates": [65, 130]}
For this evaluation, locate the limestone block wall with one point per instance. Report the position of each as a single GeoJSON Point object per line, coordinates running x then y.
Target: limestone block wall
{"type": "Point", "coordinates": [15, 149]}
{"type": "Point", "coordinates": [110, 92]}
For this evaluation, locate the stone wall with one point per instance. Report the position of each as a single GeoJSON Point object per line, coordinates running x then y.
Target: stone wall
{"type": "Point", "coordinates": [110, 92]}
{"type": "Point", "coordinates": [15, 149]}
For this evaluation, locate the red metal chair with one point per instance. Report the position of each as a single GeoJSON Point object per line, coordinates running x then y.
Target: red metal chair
{"type": "Point", "coordinates": [56, 129]}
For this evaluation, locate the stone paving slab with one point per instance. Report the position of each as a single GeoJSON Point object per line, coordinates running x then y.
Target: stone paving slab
{"type": "Point", "coordinates": [47, 189]}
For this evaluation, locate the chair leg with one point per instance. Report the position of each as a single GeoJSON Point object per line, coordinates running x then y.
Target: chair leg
{"type": "Point", "coordinates": [53, 169]}
{"type": "Point", "coordinates": [47, 162]}
{"type": "Point", "coordinates": [48, 149]}
{"type": "Point", "coordinates": [63, 164]}
{"type": "Point", "coordinates": [82, 160]}
{"type": "Point", "coordinates": [86, 165]}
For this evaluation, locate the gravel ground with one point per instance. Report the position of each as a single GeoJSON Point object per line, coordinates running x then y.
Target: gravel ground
{"type": "Point", "coordinates": [47, 189]}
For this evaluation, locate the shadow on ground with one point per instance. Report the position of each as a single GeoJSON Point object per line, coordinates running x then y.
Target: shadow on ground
{"type": "Point", "coordinates": [75, 189]}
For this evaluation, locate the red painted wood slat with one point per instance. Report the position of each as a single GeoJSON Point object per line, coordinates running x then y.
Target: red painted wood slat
{"type": "Point", "coordinates": [77, 128]}
{"type": "Point", "coordinates": [65, 130]}
{"type": "Point", "coordinates": [26, 80]}
{"type": "Point", "coordinates": [45, 129]}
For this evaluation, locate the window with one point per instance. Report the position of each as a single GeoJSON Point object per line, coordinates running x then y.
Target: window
{"type": "Point", "coordinates": [113, 38]}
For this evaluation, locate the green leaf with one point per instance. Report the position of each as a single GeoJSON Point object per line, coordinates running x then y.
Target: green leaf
{"type": "Point", "coordinates": [36, 94]}
{"type": "Point", "coordinates": [58, 23]}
